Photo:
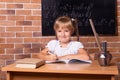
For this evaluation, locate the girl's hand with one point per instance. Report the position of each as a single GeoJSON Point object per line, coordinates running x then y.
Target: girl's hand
{"type": "Point", "coordinates": [53, 57]}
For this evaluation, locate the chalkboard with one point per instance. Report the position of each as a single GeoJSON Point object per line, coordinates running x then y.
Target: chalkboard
{"type": "Point", "coordinates": [102, 12]}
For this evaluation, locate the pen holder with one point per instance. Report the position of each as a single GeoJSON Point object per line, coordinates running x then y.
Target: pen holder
{"type": "Point", "coordinates": [104, 59]}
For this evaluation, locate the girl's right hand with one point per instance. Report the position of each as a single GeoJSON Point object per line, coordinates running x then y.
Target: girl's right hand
{"type": "Point", "coordinates": [53, 57]}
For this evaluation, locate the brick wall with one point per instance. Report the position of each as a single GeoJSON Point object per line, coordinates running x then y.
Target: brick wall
{"type": "Point", "coordinates": [20, 32]}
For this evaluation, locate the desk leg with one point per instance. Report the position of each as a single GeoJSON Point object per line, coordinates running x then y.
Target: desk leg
{"type": "Point", "coordinates": [112, 77]}
{"type": "Point", "coordinates": [8, 75]}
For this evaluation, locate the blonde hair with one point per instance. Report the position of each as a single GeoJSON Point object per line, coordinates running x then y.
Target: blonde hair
{"type": "Point", "coordinates": [64, 22]}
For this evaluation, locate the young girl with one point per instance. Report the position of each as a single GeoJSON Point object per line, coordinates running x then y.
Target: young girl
{"type": "Point", "coordinates": [63, 47]}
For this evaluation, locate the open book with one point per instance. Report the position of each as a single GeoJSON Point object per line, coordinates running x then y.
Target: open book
{"type": "Point", "coordinates": [29, 63]}
{"type": "Point", "coordinates": [70, 61]}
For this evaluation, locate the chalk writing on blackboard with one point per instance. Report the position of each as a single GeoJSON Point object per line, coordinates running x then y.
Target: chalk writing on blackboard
{"type": "Point", "coordinates": [102, 12]}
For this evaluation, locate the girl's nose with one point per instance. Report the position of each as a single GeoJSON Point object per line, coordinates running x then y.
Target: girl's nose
{"type": "Point", "coordinates": [62, 34]}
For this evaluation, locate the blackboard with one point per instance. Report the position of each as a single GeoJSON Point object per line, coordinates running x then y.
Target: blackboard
{"type": "Point", "coordinates": [102, 12]}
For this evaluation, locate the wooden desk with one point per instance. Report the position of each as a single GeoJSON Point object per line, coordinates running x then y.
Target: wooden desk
{"type": "Point", "coordinates": [62, 72]}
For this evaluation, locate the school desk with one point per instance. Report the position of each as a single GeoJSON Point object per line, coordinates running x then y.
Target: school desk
{"type": "Point", "coordinates": [63, 72]}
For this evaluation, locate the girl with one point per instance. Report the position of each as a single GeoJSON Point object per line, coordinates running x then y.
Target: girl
{"type": "Point", "coordinates": [63, 47]}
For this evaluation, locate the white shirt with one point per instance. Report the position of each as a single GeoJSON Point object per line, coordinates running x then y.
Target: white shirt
{"type": "Point", "coordinates": [72, 47]}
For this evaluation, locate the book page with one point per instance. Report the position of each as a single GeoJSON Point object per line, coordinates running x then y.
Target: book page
{"type": "Point", "coordinates": [57, 61]}
{"type": "Point", "coordinates": [70, 61]}
{"type": "Point", "coordinates": [79, 61]}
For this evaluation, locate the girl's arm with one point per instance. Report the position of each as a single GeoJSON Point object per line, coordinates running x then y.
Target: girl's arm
{"type": "Point", "coordinates": [44, 54]}
{"type": "Point", "coordinates": [82, 54]}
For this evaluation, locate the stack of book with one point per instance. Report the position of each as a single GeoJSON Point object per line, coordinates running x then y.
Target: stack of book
{"type": "Point", "coordinates": [29, 63]}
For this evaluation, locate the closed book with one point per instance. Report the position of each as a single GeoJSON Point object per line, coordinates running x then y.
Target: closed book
{"type": "Point", "coordinates": [70, 61]}
{"type": "Point", "coordinates": [29, 63]}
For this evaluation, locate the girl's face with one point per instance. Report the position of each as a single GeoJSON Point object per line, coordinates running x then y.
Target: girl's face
{"type": "Point", "coordinates": [63, 35]}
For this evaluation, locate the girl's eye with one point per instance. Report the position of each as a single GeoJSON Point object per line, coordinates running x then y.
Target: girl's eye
{"type": "Point", "coordinates": [59, 30]}
{"type": "Point", "coordinates": [66, 30]}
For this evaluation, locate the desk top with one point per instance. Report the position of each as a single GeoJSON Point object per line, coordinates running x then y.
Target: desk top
{"type": "Point", "coordinates": [93, 68]}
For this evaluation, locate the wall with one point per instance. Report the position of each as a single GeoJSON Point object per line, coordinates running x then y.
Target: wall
{"type": "Point", "coordinates": [20, 32]}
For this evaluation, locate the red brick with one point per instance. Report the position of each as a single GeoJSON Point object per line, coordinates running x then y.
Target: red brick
{"type": "Point", "coordinates": [3, 76]}
{"type": "Point", "coordinates": [115, 54]}
{"type": "Point", "coordinates": [87, 39]}
{"type": "Point", "coordinates": [22, 1]}
{"type": "Point", "coordinates": [31, 28]}
{"type": "Point", "coordinates": [118, 2]}
{"type": "Point", "coordinates": [7, 23]}
{"type": "Point", "coordinates": [2, 51]}
{"type": "Point", "coordinates": [115, 44]}
{"type": "Point", "coordinates": [90, 44]}
{"type": "Point", "coordinates": [36, 45]}
{"type": "Point", "coordinates": [2, 5]}
{"type": "Point", "coordinates": [8, 62]}
{"type": "Point", "coordinates": [43, 46]}
{"type": "Point", "coordinates": [29, 40]}
{"type": "Point", "coordinates": [118, 9]}
{"type": "Point", "coordinates": [21, 56]}
{"type": "Point", "coordinates": [23, 12]}
{"type": "Point", "coordinates": [115, 49]}
{"type": "Point", "coordinates": [22, 45]}
{"type": "Point", "coordinates": [36, 1]}
{"type": "Point", "coordinates": [14, 40]}
{"type": "Point", "coordinates": [37, 12]}
{"type": "Point", "coordinates": [6, 46]}
{"type": "Point", "coordinates": [23, 22]}
{"type": "Point", "coordinates": [2, 62]}
{"type": "Point", "coordinates": [2, 40]}
{"type": "Point", "coordinates": [6, 57]}
{"type": "Point", "coordinates": [111, 39]}
{"type": "Point", "coordinates": [15, 17]}
{"type": "Point", "coordinates": [37, 34]}
{"type": "Point", "coordinates": [37, 23]}
{"type": "Point", "coordinates": [9, 12]}
{"type": "Point", "coordinates": [6, 0]}
{"type": "Point", "coordinates": [32, 50]}
{"type": "Point", "coordinates": [2, 29]}
{"type": "Point", "coordinates": [2, 17]}
{"type": "Point", "coordinates": [93, 50]}
{"type": "Point", "coordinates": [34, 55]}
{"type": "Point", "coordinates": [2, 0]}
{"type": "Point", "coordinates": [7, 34]}
{"type": "Point", "coordinates": [46, 39]}
{"type": "Point", "coordinates": [119, 28]}
{"type": "Point", "coordinates": [14, 51]}
{"type": "Point", "coordinates": [14, 6]}
{"type": "Point", "coordinates": [24, 34]}
{"type": "Point", "coordinates": [32, 6]}
{"type": "Point", "coordinates": [118, 13]}
{"type": "Point", "coordinates": [41, 40]}
{"type": "Point", "coordinates": [118, 23]}
{"type": "Point", "coordinates": [33, 17]}
{"type": "Point", "coordinates": [15, 29]}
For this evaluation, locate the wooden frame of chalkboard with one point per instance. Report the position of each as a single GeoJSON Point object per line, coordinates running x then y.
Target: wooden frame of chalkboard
{"type": "Point", "coordinates": [102, 12]}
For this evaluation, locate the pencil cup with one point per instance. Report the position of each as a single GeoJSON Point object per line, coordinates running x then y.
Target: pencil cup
{"type": "Point", "coordinates": [104, 59]}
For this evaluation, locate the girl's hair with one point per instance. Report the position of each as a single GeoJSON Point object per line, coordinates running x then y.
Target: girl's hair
{"type": "Point", "coordinates": [64, 22]}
